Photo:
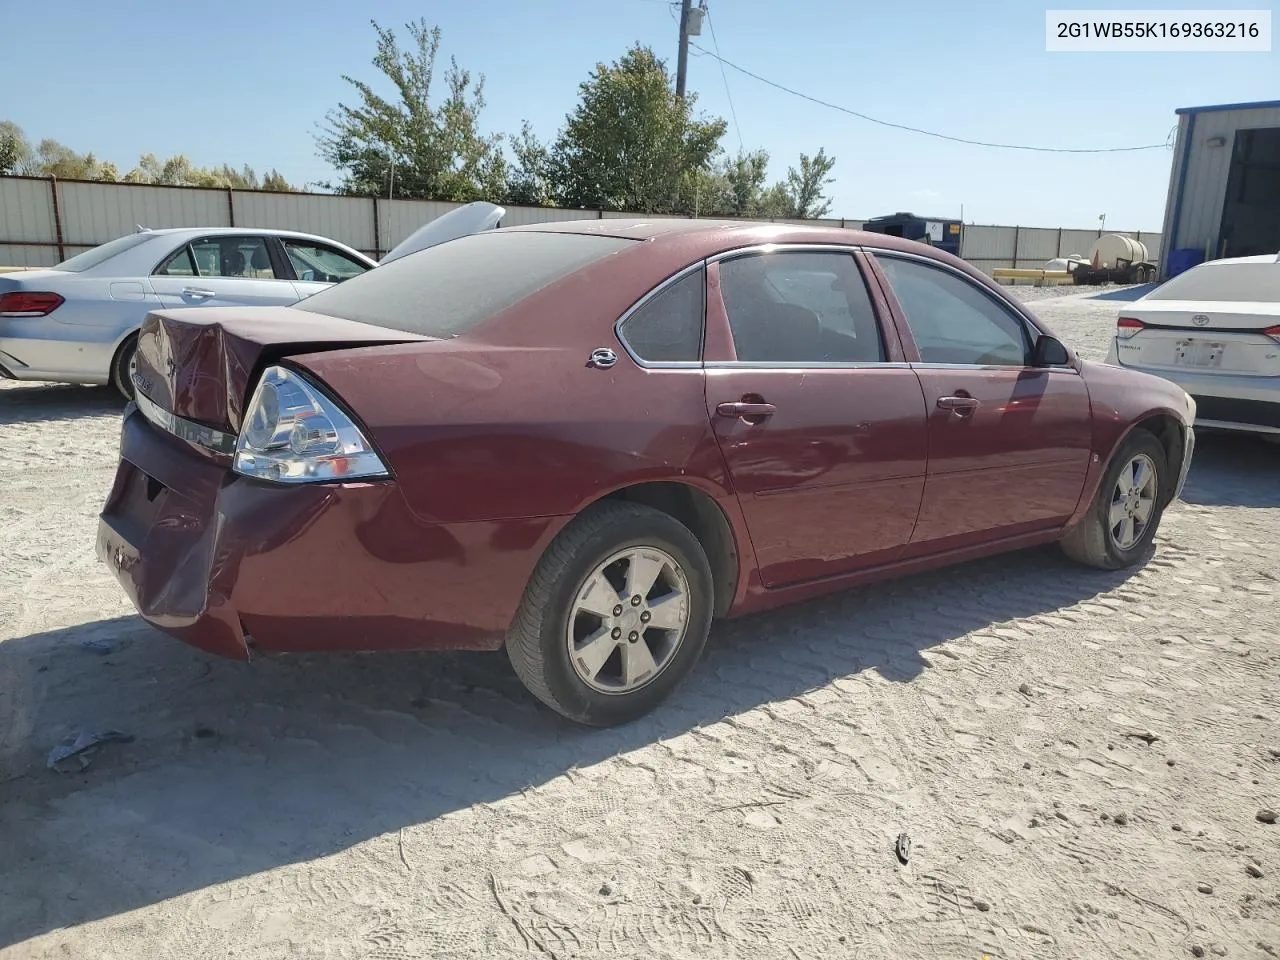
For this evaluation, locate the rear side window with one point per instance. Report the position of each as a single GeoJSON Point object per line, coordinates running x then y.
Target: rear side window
{"type": "Point", "coordinates": [450, 288]}
{"type": "Point", "coordinates": [100, 254]}
{"type": "Point", "coordinates": [668, 327]}
{"type": "Point", "coordinates": [800, 308]}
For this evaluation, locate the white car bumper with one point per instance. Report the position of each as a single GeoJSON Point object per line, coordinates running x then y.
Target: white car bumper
{"type": "Point", "coordinates": [41, 350]}
{"type": "Point", "coordinates": [1224, 401]}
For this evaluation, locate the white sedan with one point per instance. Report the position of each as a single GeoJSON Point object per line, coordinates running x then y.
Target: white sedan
{"type": "Point", "coordinates": [1215, 331]}
{"type": "Point", "coordinates": [78, 322]}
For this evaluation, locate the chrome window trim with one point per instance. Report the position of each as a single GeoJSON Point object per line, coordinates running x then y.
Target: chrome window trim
{"type": "Point", "coordinates": [840, 248]}
{"type": "Point", "coordinates": [994, 367]}
{"type": "Point", "coordinates": [759, 248]}
{"type": "Point", "coordinates": [182, 428]}
{"type": "Point", "coordinates": [815, 365]}
{"type": "Point", "coordinates": [654, 293]}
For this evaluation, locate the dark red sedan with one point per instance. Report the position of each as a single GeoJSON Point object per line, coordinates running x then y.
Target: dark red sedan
{"type": "Point", "coordinates": [585, 441]}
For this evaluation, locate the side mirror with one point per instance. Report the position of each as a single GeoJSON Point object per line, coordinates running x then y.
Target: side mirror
{"type": "Point", "coordinates": [1049, 352]}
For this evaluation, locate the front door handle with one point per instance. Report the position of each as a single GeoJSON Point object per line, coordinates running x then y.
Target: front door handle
{"type": "Point", "coordinates": [958, 404]}
{"type": "Point", "coordinates": [741, 409]}
{"type": "Point", "coordinates": [197, 294]}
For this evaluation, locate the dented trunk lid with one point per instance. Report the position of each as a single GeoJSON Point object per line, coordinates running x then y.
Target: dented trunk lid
{"type": "Point", "coordinates": [201, 365]}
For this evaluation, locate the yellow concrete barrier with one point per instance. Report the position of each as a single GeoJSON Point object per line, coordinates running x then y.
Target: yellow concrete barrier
{"type": "Point", "coordinates": [1038, 277]}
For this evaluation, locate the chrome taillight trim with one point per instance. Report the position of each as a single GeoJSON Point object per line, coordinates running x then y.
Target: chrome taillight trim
{"type": "Point", "coordinates": [196, 433]}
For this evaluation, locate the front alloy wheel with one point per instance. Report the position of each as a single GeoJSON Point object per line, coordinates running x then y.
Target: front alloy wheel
{"type": "Point", "coordinates": [1133, 501]}
{"type": "Point", "coordinates": [1125, 514]}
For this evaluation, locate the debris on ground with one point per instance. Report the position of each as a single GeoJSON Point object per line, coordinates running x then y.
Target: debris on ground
{"type": "Point", "coordinates": [1147, 737]}
{"type": "Point", "coordinates": [1266, 816]}
{"type": "Point", "coordinates": [1253, 871]}
{"type": "Point", "coordinates": [1204, 888]}
{"type": "Point", "coordinates": [83, 746]}
{"type": "Point", "coordinates": [99, 645]}
{"type": "Point", "coordinates": [903, 848]}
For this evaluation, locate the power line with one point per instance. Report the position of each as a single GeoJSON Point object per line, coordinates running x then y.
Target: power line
{"type": "Point", "coordinates": [927, 133]}
{"type": "Point", "coordinates": [725, 77]}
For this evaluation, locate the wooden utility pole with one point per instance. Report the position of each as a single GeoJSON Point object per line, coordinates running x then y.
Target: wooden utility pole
{"type": "Point", "coordinates": [682, 62]}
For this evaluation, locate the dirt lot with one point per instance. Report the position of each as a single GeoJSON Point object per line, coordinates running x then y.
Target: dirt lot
{"type": "Point", "coordinates": [1079, 758]}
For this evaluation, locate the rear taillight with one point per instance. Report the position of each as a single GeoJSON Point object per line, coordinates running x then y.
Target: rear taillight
{"type": "Point", "coordinates": [1126, 327]}
{"type": "Point", "coordinates": [28, 303]}
{"type": "Point", "coordinates": [1273, 333]}
{"type": "Point", "coordinates": [293, 433]}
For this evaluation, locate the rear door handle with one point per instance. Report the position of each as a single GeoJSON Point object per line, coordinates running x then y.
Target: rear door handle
{"type": "Point", "coordinates": [198, 294]}
{"type": "Point", "coordinates": [958, 404]}
{"type": "Point", "coordinates": [741, 408]}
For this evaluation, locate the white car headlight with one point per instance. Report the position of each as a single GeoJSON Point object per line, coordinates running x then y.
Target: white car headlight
{"type": "Point", "coordinates": [293, 433]}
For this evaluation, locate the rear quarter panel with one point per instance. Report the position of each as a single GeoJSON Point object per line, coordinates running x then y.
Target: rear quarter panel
{"type": "Point", "coordinates": [508, 421]}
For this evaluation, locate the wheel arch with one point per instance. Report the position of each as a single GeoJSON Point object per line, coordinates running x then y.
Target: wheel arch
{"type": "Point", "coordinates": [1171, 433]}
{"type": "Point", "coordinates": [704, 517]}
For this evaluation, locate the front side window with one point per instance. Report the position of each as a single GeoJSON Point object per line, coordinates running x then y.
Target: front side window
{"type": "Point", "coordinates": [236, 257]}
{"type": "Point", "coordinates": [800, 308]}
{"type": "Point", "coordinates": [668, 327]}
{"type": "Point", "coordinates": [952, 320]}
{"type": "Point", "coordinates": [313, 262]}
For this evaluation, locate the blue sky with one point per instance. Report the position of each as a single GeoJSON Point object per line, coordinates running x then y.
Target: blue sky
{"type": "Point", "coordinates": [247, 83]}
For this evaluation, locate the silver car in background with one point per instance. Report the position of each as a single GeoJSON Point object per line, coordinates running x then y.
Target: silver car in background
{"type": "Point", "coordinates": [78, 322]}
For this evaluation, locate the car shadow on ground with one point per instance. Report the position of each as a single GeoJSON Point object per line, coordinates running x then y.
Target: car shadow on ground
{"type": "Point", "coordinates": [1233, 470]}
{"type": "Point", "coordinates": [241, 768]}
{"type": "Point", "coordinates": [49, 402]}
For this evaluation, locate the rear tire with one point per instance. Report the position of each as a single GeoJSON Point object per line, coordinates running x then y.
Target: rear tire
{"type": "Point", "coordinates": [587, 666]}
{"type": "Point", "coordinates": [121, 365]}
{"type": "Point", "coordinates": [1113, 534]}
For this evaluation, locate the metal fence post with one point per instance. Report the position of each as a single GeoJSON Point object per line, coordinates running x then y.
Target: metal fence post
{"type": "Point", "coordinates": [57, 218]}
{"type": "Point", "coordinates": [1017, 233]}
{"type": "Point", "coordinates": [377, 231]}
{"type": "Point", "coordinates": [231, 208]}
{"type": "Point", "coordinates": [1060, 241]}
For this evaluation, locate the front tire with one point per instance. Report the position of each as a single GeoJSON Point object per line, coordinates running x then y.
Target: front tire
{"type": "Point", "coordinates": [122, 367]}
{"type": "Point", "coordinates": [1126, 511]}
{"type": "Point", "coordinates": [615, 616]}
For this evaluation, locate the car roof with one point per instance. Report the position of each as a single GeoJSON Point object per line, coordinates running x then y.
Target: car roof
{"type": "Point", "coordinates": [234, 231]}
{"type": "Point", "coordinates": [1270, 258]}
{"type": "Point", "coordinates": [721, 234]}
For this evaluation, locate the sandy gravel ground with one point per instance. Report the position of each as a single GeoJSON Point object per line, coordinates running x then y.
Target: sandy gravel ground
{"type": "Point", "coordinates": [1079, 758]}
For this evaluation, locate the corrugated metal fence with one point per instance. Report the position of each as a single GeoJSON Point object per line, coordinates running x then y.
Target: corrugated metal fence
{"type": "Point", "coordinates": [43, 221]}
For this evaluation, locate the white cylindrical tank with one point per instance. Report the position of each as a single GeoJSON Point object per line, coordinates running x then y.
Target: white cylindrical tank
{"type": "Point", "coordinates": [1110, 249]}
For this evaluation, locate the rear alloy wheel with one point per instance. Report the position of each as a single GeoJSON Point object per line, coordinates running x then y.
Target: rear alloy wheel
{"type": "Point", "coordinates": [1126, 512]}
{"type": "Point", "coordinates": [616, 614]}
{"type": "Point", "coordinates": [122, 367]}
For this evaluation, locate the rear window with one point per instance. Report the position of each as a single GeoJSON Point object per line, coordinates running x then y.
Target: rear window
{"type": "Point", "coordinates": [91, 258]}
{"type": "Point", "coordinates": [450, 288]}
{"type": "Point", "coordinates": [1233, 282]}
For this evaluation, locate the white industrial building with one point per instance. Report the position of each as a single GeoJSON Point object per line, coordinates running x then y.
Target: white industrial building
{"type": "Point", "coordinates": [1224, 191]}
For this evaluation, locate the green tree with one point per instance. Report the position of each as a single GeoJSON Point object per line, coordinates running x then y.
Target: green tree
{"type": "Point", "coordinates": [275, 181]}
{"type": "Point", "coordinates": [744, 176]}
{"type": "Point", "coordinates": [529, 178]}
{"type": "Point", "coordinates": [54, 159]}
{"type": "Point", "coordinates": [806, 188]}
{"type": "Point", "coordinates": [425, 150]}
{"type": "Point", "coordinates": [15, 151]}
{"type": "Point", "coordinates": [631, 143]}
